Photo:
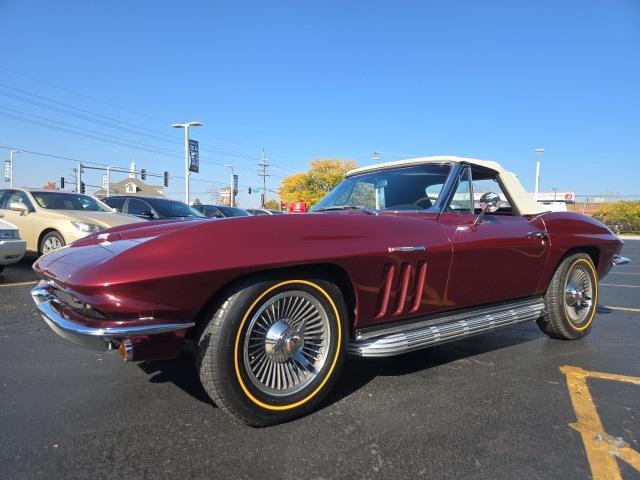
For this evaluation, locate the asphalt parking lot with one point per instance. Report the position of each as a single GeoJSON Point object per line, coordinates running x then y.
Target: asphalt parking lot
{"type": "Point", "coordinates": [492, 406]}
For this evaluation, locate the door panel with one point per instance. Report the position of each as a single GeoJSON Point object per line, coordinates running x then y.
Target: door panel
{"type": "Point", "coordinates": [495, 260]}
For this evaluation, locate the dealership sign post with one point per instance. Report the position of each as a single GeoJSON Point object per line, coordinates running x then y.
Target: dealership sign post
{"type": "Point", "coordinates": [7, 171]}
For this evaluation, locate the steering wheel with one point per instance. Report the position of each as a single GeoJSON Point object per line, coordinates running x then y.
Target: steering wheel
{"type": "Point", "coordinates": [424, 202]}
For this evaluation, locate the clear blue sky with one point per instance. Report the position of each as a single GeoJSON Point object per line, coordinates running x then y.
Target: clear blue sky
{"type": "Point", "coordinates": [342, 79]}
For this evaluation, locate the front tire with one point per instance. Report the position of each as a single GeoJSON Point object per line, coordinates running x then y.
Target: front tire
{"type": "Point", "coordinates": [571, 299]}
{"type": "Point", "coordinates": [274, 348]}
{"type": "Point", "coordinates": [51, 242]}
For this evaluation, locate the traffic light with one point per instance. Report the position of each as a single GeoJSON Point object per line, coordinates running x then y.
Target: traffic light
{"type": "Point", "coordinates": [61, 183]}
{"type": "Point", "coordinates": [143, 174]}
{"type": "Point", "coordinates": [82, 187]}
{"type": "Point", "coordinates": [249, 190]}
{"type": "Point", "coordinates": [166, 179]}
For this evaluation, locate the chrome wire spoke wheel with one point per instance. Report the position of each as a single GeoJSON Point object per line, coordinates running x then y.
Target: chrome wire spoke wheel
{"type": "Point", "coordinates": [287, 343]}
{"type": "Point", "coordinates": [578, 294]}
{"type": "Point", "coordinates": [51, 244]}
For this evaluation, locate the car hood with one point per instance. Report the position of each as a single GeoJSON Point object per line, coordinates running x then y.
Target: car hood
{"type": "Point", "coordinates": [6, 225]}
{"type": "Point", "coordinates": [102, 219]}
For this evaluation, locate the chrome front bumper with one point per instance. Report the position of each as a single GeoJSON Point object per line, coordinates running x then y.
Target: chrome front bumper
{"type": "Point", "coordinates": [618, 260]}
{"type": "Point", "coordinates": [91, 337]}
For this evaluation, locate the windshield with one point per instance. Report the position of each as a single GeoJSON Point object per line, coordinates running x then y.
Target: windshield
{"type": "Point", "coordinates": [233, 212]}
{"type": "Point", "coordinates": [403, 188]}
{"type": "Point", "coordinates": [69, 201]}
{"type": "Point", "coordinates": [175, 209]}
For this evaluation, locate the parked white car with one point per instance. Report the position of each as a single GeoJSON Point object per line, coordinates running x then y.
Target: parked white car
{"type": "Point", "coordinates": [12, 247]}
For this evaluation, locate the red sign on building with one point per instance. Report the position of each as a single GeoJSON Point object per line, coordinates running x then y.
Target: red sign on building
{"type": "Point", "coordinates": [298, 207]}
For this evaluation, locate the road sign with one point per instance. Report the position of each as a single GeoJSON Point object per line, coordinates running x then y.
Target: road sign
{"type": "Point", "coordinates": [194, 156]}
{"type": "Point", "coordinates": [235, 185]}
{"type": "Point", "coordinates": [104, 182]}
{"type": "Point", "coordinates": [7, 171]}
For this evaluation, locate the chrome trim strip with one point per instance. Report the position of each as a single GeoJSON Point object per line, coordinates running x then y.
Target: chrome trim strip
{"type": "Point", "coordinates": [416, 248]}
{"type": "Point", "coordinates": [91, 337]}
{"type": "Point", "coordinates": [618, 260]}
{"type": "Point", "coordinates": [415, 336]}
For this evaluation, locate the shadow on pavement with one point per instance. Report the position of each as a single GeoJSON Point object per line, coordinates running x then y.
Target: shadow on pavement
{"type": "Point", "coordinates": [357, 372]}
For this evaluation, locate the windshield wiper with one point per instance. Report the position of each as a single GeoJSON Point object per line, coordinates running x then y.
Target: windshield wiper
{"type": "Point", "coordinates": [347, 207]}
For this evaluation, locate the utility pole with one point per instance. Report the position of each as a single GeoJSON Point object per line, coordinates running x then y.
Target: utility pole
{"type": "Point", "coordinates": [187, 172]}
{"type": "Point", "coordinates": [11, 167]}
{"type": "Point", "coordinates": [539, 152]}
{"type": "Point", "coordinates": [79, 177]}
{"type": "Point", "coordinates": [108, 181]}
{"type": "Point", "coordinates": [231, 182]}
{"type": "Point", "coordinates": [263, 173]}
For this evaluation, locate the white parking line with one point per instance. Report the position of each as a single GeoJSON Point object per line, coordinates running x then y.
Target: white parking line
{"type": "Point", "coordinates": [17, 284]}
{"type": "Point", "coordinates": [624, 273]}
{"type": "Point", "coordinates": [623, 309]}
{"type": "Point", "coordinates": [618, 285]}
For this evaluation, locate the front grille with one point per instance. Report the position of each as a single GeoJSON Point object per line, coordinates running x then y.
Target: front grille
{"type": "Point", "coordinates": [68, 300]}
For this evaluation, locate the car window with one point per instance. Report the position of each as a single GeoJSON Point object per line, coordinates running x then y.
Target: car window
{"type": "Point", "coordinates": [210, 211]}
{"type": "Point", "coordinates": [68, 201]}
{"type": "Point", "coordinates": [139, 207]}
{"type": "Point", "coordinates": [487, 182]}
{"type": "Point", "coordinates": [117, 203]}
{"type": "Point", "coordinates": [461, 199]}
{"type": "Point", "coordinates": [15, 196]}
{"type": "Point", "coordinates": [402, 188]}
{"type": "Point", "coordinates": [233, 212]}
{"type": "Point", "coordinates": [174, 209]}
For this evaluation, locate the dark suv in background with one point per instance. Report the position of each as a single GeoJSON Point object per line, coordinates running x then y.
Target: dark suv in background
{"type": "Point", "coordinates": [221, 211]}
{"type": "Point", "coordinates": [151, 208]}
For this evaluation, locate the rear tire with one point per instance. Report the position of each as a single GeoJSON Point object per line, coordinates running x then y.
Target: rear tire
{"type": "Point", "coordinates": [51, 242]}
{"type": "Point", "coordinates": [274, 348]}
{"type": "Point", "coordinates": [571, 299]}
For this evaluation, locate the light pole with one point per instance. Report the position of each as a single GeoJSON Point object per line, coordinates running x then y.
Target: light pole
{"type": "Point", "coordinates": [231, 202]}
{"type": "Point", "coordinates": [187, 173]}
{"type": "Point", "coordinates": [539, 152]}
{"type": "Point", "coordinates": [11, 167]}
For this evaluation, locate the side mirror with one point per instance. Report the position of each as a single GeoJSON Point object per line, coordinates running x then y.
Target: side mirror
{"type": "Point", "coordinates": [489, 203]}
{"type": "Point", "coordinates": [149, 214]}
{"type": "Point", "coordinates": [18, 207]}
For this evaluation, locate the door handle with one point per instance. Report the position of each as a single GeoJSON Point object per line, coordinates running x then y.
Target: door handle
{"type": "Point", "coordinates": [539, 235]}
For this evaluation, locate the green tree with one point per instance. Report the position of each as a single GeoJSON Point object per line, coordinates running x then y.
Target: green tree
{"type": "Point", "coordinates": [197, 202]}
{"type": "Point", "coordinates": [312, 185]}
{"type": "Point", "coordinates": [272, 205]}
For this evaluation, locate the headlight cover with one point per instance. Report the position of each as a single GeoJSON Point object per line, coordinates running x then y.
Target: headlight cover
{"type": "Point", "coordinates": [9, 234]}
{"type": "Point", "coordinates": [86, 227]}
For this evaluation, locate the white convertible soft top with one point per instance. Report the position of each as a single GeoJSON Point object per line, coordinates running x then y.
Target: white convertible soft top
{"type": "Point", "coordinates": [525, 204]}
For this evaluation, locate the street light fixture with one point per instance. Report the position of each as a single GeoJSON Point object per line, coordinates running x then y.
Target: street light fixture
{"type": "Point", "coordinates": [539, 152]}
{"type": "Point", "coordinates": [231, 182]}
{"type": "Point", "coordinates": [187, 173]}
{"type": "Point", "coordinates": [11, 167]}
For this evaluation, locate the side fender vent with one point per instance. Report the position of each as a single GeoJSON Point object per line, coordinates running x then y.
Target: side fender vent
{"type": "Point", "coordinates": [385, 292]}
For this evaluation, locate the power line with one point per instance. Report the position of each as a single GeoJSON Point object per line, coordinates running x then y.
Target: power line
{"type": "Point", "coordinates": [225, 151]}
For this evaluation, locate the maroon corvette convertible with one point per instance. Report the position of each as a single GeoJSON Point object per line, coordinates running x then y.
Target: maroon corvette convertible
{"type": "Point", "coordinates": [399, 256]}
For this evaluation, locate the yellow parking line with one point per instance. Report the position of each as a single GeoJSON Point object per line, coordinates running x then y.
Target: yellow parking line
{"type": "Point", "coordinates": [17, 284]}
{"type": "Point", "coordinates": [602, 449]}
{"type": "Point", "coordinates": [623, 309]}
